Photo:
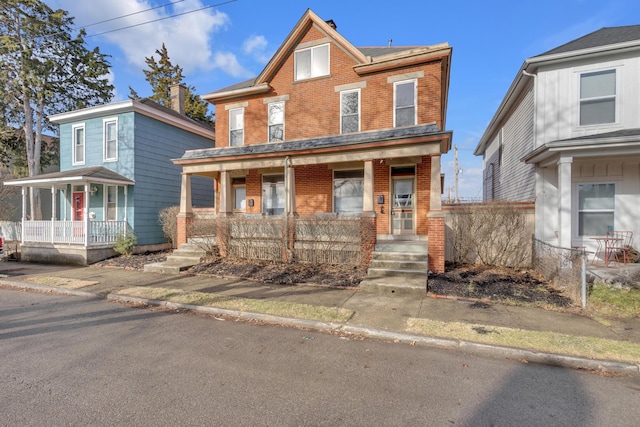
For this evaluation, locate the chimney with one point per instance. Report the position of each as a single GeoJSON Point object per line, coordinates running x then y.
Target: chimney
{"type": "Point", "coordinates": [178, 93]}
{"type": "Point", "coordinates": [332, 24]}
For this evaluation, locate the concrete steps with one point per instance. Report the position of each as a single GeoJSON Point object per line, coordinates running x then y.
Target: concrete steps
{"type": "Point", "coordinates": [398, 266]}
{"type": "Point", "coordinates": [187, 255]}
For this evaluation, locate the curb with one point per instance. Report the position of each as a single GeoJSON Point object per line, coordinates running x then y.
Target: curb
{"type": "Point", "coordinates": [442, 343]}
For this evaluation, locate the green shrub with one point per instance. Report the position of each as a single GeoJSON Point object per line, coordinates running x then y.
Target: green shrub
{"type": "Point", "coordinates": [125, 243]}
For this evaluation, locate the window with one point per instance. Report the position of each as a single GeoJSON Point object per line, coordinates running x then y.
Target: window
{"type": "Point", "coordinates": [236, 127]}
{"type": "Point", "coordinates": [350, 111]}
{"type": "Point", "coordinates": [78, 144]}
{"type": "Point", "coordinates": [276, 122]}
{"type": "Point", "coordinates": [348, 191]}
{"type": "Point", "coordinates": [312, 62]}
{"type": "Point", "coordinates": [239, 194]}
{"type": "Point", "coordinates": [110, 140]}
{"type": "Point", "coordinates": [596, 205]}
{"type": "Point", "coordinates": [405, 103]}
{"type": "Point", "coordinates": [112, 203]}
{"type": "Point", "coordinates": [598, 97]}
{"type": "Point", "coordinates": [273, 194]}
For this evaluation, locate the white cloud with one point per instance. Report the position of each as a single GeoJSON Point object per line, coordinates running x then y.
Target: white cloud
{"type": "Point", "coordinates": [187, 37]}
{"type": "Point", "coordinates": [256, 46]}
{"type": "Point", "coordinates": [228, 62]}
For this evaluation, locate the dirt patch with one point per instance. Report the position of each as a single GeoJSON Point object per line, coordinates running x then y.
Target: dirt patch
{"type": "Point", "coordinates": [464, 281]}
{"type": "Point", "coordinates": [496, 284]}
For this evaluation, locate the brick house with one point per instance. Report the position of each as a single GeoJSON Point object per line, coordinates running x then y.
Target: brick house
{"type": "Point", "coordinates": [331, 128]}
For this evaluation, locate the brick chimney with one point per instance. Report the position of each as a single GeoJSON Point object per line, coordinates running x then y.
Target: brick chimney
{"type": "Point", "coordinates": [178, 94]}
{"type": "Point", "coordinates": [331, 24]}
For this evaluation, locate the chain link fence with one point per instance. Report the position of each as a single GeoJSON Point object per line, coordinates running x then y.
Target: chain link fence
{"type": "Point", "coordinates": [564, 268]}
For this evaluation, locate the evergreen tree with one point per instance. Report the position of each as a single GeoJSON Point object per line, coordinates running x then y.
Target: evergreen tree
{"type": "Point", "coordinates": [45, 70]}
{"type": "Point", "coordinates": [161, 75]}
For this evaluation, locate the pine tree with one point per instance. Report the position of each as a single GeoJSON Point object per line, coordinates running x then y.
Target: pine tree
{"type": "Point", "coordinates": [161, 75]}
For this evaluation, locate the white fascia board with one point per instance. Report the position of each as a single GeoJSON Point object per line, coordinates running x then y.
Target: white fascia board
{"type": "Point", "coordinates": [178, 122]}
{"type": "Point", "coordinates": [80, 178]}
{"type": "Point", "coordinates": [88, 113]}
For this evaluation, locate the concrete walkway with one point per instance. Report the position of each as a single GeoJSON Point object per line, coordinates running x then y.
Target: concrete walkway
{"type": "Point", "coordinates": [376, 315]}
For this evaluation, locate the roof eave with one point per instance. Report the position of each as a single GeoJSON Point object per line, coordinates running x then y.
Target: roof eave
{"type": "Point", "coordinates": [231, 94]}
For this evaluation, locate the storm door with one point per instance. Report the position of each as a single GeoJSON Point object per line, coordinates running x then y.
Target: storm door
{"type": "Point", "coordinates": [403, 198]}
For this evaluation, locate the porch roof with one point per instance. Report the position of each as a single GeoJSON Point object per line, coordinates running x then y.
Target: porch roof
{"type": "Point", "coordinates": [93, 174]}
{"type": "Point", "coordinates": [622, 142]}
{"type": "Point", "coordinates": [337, 142]}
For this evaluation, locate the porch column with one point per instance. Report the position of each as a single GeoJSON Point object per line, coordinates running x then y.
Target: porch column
{"type": "Point", "coordinates": [367, 197]}
{"type": "Point", "coordinates": [435, 199]}
{"type": "Point", "coordinates": [126, 202]}
{"type": "Point", "coordinates": [24, 211]}
{"type": "Point", "coordinates": [225, 193]}
{"type": "Point", "coordinates": [185, 216]}
{"type": "Point", "coordinates": [86, 213]}
{"type": "Point", "coordinates": [53, 213]}
{"type": "Point", "coordinates": [564, 192]}
{"type": "Point", "coordinates": [290, 190]}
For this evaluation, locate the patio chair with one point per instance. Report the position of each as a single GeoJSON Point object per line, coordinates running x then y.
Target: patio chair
{"type": "Point", "coordinates": [619, 245]}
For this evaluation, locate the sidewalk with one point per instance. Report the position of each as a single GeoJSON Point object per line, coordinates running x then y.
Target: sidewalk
{"type": "Point", "coordinates": [376, 315]}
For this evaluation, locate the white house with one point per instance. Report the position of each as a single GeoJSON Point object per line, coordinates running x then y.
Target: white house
{"type": "Point", "coordinates": [567, 136]}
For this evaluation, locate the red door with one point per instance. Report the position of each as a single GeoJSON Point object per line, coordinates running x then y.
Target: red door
{"type": "Point", "coordinates": [78, 206]}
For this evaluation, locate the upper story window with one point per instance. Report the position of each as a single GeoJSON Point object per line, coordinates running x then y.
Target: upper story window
{"type": "Point", "coordinates": [276, 121]}
{"type": "Point", "coordinates": [350, 111]}
{"type": "Point", "coordinates": [312, 62]}
{"type": "Point", "coordinates": [236, 127]}
{"type": "Point", "coordinates": [598, 97]}
{"type": "Point", "coordinates": [110, 140]}
{"type": "Point", "coordinates": [78, 144]}
{"type": "Point", "coordinates": [404, 98]}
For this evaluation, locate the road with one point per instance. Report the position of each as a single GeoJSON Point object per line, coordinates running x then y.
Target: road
{"type": "Point", "coordinates": [78, 361]}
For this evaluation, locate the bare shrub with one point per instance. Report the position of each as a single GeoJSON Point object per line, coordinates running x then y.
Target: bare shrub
{"type": "Point", "coordinates": [256, 236]}
{"type": "Point", "coordinates": [167, 219]}
{"type": "Point", "coordinates": [328, 239]}
{"type": "Point", "coordinates": [203, 233]}
{"type": "Point", "coordinates": [497, 234]}
{"type": "Point", "coordinates": [7, 196]}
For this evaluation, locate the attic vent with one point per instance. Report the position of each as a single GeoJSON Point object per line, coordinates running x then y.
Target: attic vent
{"type": "Point", "coordinates": [332, 24]}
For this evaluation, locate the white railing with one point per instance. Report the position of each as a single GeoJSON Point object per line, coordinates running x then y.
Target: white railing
{"type": "Point", "coordinates": [73, 232]}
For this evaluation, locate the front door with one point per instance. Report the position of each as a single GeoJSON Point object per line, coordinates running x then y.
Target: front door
{"type": "Point", "coordinates": [402, 212]}
{"type": "Point", "coordinates": [78, 206]}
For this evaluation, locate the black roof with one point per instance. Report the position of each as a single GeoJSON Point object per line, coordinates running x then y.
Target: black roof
{"type": "Point", "coordinates": [315, 143]}
{"type": "Point", "coordinates": [603, 37]}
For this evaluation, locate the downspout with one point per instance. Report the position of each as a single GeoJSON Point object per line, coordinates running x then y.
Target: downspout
{"type": "Point", "coordinates": [287, 209]}
{"type": "Point", "coordinates": [535, 106]}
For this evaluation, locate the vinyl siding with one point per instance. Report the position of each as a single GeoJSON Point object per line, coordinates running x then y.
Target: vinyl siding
{"type": "Point", "coordinates": [157, 179]}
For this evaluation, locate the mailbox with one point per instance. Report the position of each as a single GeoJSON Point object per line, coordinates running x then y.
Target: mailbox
{"type": "Point", "coordinates": [381, 199]}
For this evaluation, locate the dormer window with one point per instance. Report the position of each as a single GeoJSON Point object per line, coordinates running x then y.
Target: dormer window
{"type": "Point", "coordinates": [312, 62]}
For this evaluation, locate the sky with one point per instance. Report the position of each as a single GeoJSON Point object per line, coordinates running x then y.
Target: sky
{"type": "Point", "coordinates": [230, 41]}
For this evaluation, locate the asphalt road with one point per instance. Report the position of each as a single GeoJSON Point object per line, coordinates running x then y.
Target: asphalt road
{"type": "Point", "coordinates": [78, 361]}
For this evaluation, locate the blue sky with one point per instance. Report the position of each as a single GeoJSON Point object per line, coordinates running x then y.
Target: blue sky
{"type": "Point", "coordinates": [228, 43]}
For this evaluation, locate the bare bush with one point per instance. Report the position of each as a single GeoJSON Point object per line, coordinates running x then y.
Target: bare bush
{"type": "Point", "coordinates": [259, 237]}
{"type": "Point", "coordinates": [7, 196]}
{"type": "Point", "coordinates": [167, 218]}
{"type": "Point", "coordinates": [497, 234]}
{"type": "Point", "coordinates": [203, 233]}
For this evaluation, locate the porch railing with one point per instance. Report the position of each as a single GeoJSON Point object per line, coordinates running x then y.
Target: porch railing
{"type": "Point", "coordinates": [73, 232]}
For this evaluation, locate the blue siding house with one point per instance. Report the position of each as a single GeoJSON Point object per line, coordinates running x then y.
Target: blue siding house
{"type": "Point", "coordinates": [115, 176]}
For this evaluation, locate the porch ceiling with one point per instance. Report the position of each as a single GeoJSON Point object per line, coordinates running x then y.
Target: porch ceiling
{"type": "Point", "coordinates": [94, 174]}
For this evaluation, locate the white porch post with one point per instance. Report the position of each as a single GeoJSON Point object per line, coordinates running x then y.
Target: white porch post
{"type": "Point", "coordinates": [367, 198]}
{"type": "Point", "coordinates": [53, 213]}
{"type": "Point", "coordinates": [24, 210]}
{"type": "Point", "coordinates": [185, 199]}
{"type": "Point", "coordinates": [564, 192]}
{"type": "Point", "coordinates": [86, 214]}
{"type": "Point", "coordinates": [225, 193]}
{"type": "Point", "coordinates": [435, 199]}
{"type": "Point", "coordinates": [126, 202]}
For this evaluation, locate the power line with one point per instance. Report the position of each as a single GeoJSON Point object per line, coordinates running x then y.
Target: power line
{"type": "Point", "coordinates": [128, 15]}
{"type": "Point", "coordinates": [160, 19]}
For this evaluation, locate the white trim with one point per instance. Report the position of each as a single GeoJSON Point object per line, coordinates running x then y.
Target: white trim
{"type": "Point", "coordinates": [415, 100]}
{"type": "Point", "coordinates": [105, 122]}
{"type": "Point", "coordinates": [135, 106]}
{"type": "Point", "coordinates": [74, 128]}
